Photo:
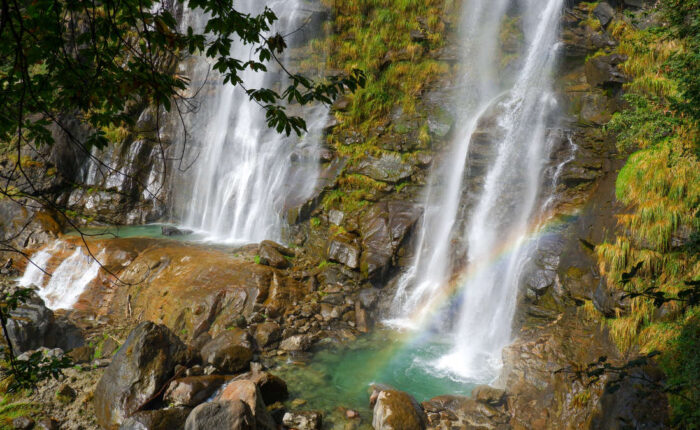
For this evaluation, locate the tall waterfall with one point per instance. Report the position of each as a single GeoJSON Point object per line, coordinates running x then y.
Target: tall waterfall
{"type": "Point", "coordinates": [243, 175]}
{"type": "Point", "coordinates": [503, 137]}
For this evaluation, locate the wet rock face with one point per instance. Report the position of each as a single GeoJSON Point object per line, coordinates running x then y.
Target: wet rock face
{"type": "Point", "coordinates": [230, 352]}
{"type": "Point", "coordinates": [229, 415]}
{"type": "Point", "coordinates": [139, 369]}
{"type": "Point", "coordinates": [384, 227]}
{"type": "Point", "coordinates": [342, 248]}
{"type": "Point", "coordinates": [270, 256]}
{"type": "Point", "coordinates": [396, 410]}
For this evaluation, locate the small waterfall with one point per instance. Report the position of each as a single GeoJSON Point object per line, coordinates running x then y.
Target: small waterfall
{"type": "Point", "coordinates": [243, 175]}
{"type": "Point", "coordinates": [505, 135]}
{"type": "Point", "coordinates": [68, 280]}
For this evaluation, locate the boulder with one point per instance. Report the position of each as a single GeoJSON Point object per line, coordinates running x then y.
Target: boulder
{"type": "Point", "coordinates": [160, 419]}
{"type": "Point", "coordinates": [342, 249]}
{"type": "Point", "coordinates": [603, 71]}
{"type": "Point", "coordinates": [489, 395]}
{"type": "Point", "coordinates": [29, 323]}
{"type": "Point", "coordinates": [23, 423]}
{"type": "Point", "coordinates": [302, 420]}
{"type": "Point", "coordinates": [230, 351]}
{"type": "Point", "coordinates": [226, 415]}
{"type": "Point", "coordinates": [604, 12]}
{"type": "Point", "coordinates": [270, 256]}
{"type": "Point", "coordinates": [388, 167]}
{"type": "Point", "coordinates": [247, 391]}
{"type": "Point", "coordinates": [32, 325]}
{"type": "Point", "coordinates": [384, 227]}
{"type": "Point", "coordinates": [169, 230]}
{"type": "Point", "coordinates": [137, 372]}
{"type": "Point", "coordinates": [267, 333]}
{"type": "Point", "coordinates": [273, 388]}
{"type": "Point", "coordinates": [193, 390]}
{"type": "Point", "coordinates": [296, 343]}
{"type": "Point", "coordinates": [396, 410]}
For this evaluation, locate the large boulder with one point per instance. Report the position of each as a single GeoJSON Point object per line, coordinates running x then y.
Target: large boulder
{"type": "Point", "coordinates": [161, 419]}
{"type": "Point", "coordinates": [384, 227]}
{"type": "Point", "coordinates": [193, 390]}
{"type": "Point", "coordinates": [137, 372]}
{"type": "Point", "coordinates": [247, 391]}
{"type": "Point", "coordinates": [270, 256]}
{"type": "Point", "coordinates": [223, 415]}
{"type": "Point", "coordinates": [230, 351]}
{"type": "Point", "coordinates": [396, 410]}
{"type": "Point", "coordinates": [32, 325]}
{"type": "Point", "coordinates": [266, 333]}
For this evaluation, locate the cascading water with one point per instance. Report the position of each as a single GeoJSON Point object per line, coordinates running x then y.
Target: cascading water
{"type": "Point", "coordinates": [243, 174]}
{"type": "Point", "coordinates": [494, 235]}
{"type": "Point", "coordinates": [68, 280]}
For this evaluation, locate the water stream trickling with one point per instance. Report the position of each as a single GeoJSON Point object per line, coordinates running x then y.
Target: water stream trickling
{"type": "Point", "coordinates": [67, 282]}
{"type": "Point", "coordinates": [514, 114]}
{"type": "Point", "coordinates": [244, 175]}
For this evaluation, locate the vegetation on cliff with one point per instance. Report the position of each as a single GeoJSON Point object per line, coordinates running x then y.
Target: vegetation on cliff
{"type": "Point", "coordinates": [660, 186]}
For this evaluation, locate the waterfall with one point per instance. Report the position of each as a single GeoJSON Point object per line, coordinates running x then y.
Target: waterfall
{"type": "Point", "coordinates": [504, 132]}
{"type": "Point", "coordinates": [243, 175]}
{"type": "Point", "coordinates": [68, 280]}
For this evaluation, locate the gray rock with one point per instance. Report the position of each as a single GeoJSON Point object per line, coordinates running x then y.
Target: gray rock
{"type": "Point", "coordinates": [169, 230]}
{"type": "Point", "coordinates": [160, 419]}
{"type": "Point", "coordinates": [388, 167]}
{"type": "Point", "coordinates": [230, 351]}
{"type": "Point", "coordinates": [342, 249]}
{"type": "Point", "coordinates": [335, 216]}
{"type": "Point", "coordinates": [604, 12]}
{"type": "Point", "coordinates": [139, 369]}
{"type": "Point", "coordinates": [603, 70]}
{"type": "Point", "coordinates": [295, 343]}
{"type": "Point", "coordinates": [384, 227]}
{"type": "Point", "coordinates": [302, 420]}
{"type": "Point", "coordinates": [32, 325]}
{"type": "Point", "coordinates": [221, 415]}
{"type": "Point", "coordinates": [22, 423]}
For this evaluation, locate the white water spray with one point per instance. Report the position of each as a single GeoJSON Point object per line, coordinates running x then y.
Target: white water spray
{"type": "Point", "coordinates": [506, 203]}
{"type": "Point", "coordinates": [245, 175]}
{"type": "Point", "coordinates": [67, 282]}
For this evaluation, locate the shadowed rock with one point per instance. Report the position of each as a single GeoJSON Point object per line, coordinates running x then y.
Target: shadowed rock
{"type": "Point", "coordinates": [138, 370]}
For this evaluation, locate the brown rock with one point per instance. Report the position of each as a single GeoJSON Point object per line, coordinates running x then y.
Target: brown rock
{"type": "Point", "coordinates": [160, 419]}
{"type": "Point", "coordinates": [270, 256]}
{"type": "Point", "coordinates": [229, 415]}
{"type": "Point", "coordinates": [247, 392]}
{"type": "Point", "coordinates": [396, 410]}
{"type": "Point", "coordinates": [193, 390]}
{"type": "Point", "coordinates": [138, 370]}
{"type": "Point", "coordinates": [231, 351]}
{"type": "Point", "coordinates": [267, 333]}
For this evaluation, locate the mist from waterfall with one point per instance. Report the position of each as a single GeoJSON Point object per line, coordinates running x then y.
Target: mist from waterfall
{"type": "Point", "coordinates": [493, 232]}
{"type": "Point", "coordinates": [243, 175]}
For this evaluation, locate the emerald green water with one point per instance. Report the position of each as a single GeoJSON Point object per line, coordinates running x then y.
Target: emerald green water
{"type": "Point", "coordinates": [126, 231]}
{"type": "Point", "coordinates": [339, 378]}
